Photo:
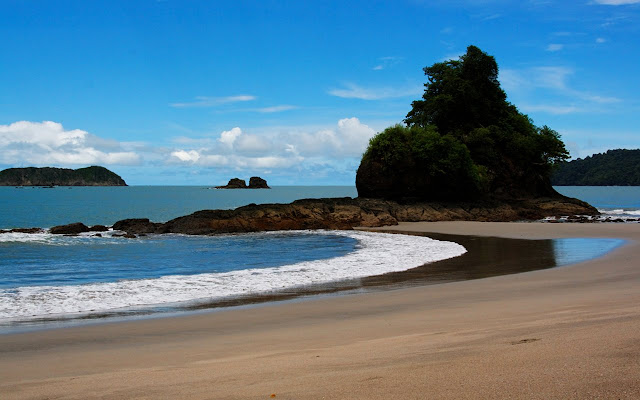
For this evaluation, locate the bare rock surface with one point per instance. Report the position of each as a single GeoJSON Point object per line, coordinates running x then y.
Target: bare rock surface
{"type": "Point", "coordinates": [347, 213]}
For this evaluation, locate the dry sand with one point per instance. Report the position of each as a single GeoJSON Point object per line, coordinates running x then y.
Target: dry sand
{"type": "Point", "coordinates": [570, 332]}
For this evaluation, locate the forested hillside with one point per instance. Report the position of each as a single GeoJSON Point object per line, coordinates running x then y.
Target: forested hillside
{"type": "Point", "coordinates": [613, 168]}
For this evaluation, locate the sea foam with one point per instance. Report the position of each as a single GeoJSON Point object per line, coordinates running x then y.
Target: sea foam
{"type": "Point", "coordinates": [375, 254]}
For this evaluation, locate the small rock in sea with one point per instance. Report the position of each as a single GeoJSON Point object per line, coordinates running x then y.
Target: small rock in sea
{"type": "Point", "coordinates": [22, 230]}
{"type": "Point", "coordinates": [98, 228]}
{"type": "Point", "coordinates": [129, 236]}
{"type": "Point", "coordinates": [73, 229]}
{"type": "Point", "coordinates": [97, 235]}
{"type": "Point", "coordinates": [234, 183]}
{"type": "Point", "coordinates": [255, 182]}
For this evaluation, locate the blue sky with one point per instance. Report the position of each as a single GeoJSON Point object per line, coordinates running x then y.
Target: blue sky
{"type": "Point", "coordinates": [196, 92]}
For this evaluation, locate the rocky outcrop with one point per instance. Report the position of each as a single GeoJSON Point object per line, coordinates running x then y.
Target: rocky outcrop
{"type": "Point", "coordinates": [137, 225]}
{"type": "Point", "coordinates": [76, 228]}
{"type": "Point", "coordinates": [22, 230]}
{"type": "Point", "coordinates": [234, 183]}
{"type": "Point", "coordinates": [69, 229]}
{"type": "Point", "coordinates": [336, 213]}
{"type": "Point", "coordinates": [90, 176]}
{"type": "Point", "coordinates": [255, 182]}
{"type": "Point", "coordinates": [347, 213]}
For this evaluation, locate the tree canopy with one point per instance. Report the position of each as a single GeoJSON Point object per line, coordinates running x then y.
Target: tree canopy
{"type": "Point", "coordinates": [614, 168]}
{"type": "Point", "coordinates": [465, 111]}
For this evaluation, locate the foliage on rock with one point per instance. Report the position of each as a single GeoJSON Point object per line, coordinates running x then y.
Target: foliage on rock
{"type": "Point", "coordinates": [47, 176]}
{"type": "Point", "coordinates": [463, 140]}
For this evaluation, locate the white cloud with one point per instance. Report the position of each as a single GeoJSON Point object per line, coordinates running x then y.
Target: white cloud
{"type": "Point", "coordinates": [616, 2]}
{"type": "Point", "coordinates": [601, 40]}
{"type": "Point", "coordinates": [204, 101]}
{"type": "Point", "coordinates": [275, 109]}
{"type": "Point", "coordinates": [228, 137]}
{"type": "Point", "coordinates": [213, 160]}
{"type": "Point", "coordinates": [48, 143]}
{"type": "Point", "coordinates": [253, 144]}
{"type": "Point", "coordinates": [555, 47]}
{"type": "Point", "coordinates": [280, 149]}
{"type": "Point", "coordinates": [552, 84]}
{"type": "Point", "coordinates": [352, 91]}
{"type": "Point", "coordinates": [551, 109]}
{"type": "Point", "coordinates": [349, 138]}
{"type": "Point", "coordinates": [187, 156]}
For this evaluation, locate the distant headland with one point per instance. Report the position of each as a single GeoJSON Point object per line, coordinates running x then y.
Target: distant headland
{"type": "Point", "coordinates": [48, 176]}
{"type": "Point", "coordinates": [614, 168]}
{"type": "Point", "coordinates": [255, 182]}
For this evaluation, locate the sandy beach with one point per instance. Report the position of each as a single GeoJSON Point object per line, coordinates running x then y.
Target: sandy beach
{"type": "Point", "coordinates": [566, 333]}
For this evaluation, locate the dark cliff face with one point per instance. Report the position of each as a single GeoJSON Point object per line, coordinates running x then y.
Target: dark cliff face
{"type": "Point", "coordinates": [47, 176]}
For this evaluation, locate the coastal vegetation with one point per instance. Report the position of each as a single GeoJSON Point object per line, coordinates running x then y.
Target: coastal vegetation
{"type": "Point", "coordinates": [462, 141]}
{"type": "Point", "coordinates": [614, 168]}
{"type": "Point", "coordinates": [47, 176]}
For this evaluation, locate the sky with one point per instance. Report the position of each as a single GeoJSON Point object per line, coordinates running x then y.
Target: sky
{"type": "Point", "coordinates": [175, 92]}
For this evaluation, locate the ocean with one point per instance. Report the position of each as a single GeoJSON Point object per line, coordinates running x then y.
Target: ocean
{"type": "Point", "coordinates": [48, 278]}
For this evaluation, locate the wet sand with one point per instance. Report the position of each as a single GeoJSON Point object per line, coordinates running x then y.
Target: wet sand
{"type": "Point", "coordinates": [570, 332]}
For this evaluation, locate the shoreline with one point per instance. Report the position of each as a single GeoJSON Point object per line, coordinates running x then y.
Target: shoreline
{"type": "Point", "coordinates": [566, 332]}
{"type": "Point", "coordinates": [483, 257]}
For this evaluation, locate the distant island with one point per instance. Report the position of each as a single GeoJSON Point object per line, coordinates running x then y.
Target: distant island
{"type": "Point", "coordinates": [613, 168]}
{"type": "Point", "coordinates": [255, 182]}
{"type": "Point", "coordinates": [48, 176]}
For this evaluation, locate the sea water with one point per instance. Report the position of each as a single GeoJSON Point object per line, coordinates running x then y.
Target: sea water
{"type": "Point", "coordinates": [612, 201]}
{"type": "Point", "coordinates": [45, 277]}
{"type": "Point", "coordinates": [46, 207]}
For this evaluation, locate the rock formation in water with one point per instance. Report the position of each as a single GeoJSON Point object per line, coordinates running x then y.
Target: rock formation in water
{"type": "Point", "coordinates": [347, 213]}
{"type": "Point", "coordinates": [47, 176]}
{"type": "Point", "coordinates": [462, 141]}
{"type": "Point", "coordinates": [255, 182]}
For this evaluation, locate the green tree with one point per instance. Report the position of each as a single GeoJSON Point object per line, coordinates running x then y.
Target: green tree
{"type": "Point", "coordinates": [465, 106]}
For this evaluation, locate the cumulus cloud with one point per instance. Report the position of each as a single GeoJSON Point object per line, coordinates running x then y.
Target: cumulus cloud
{"type": "Point", "coordinates": [283, 149]}
{"type": "Point", "coordinates": [349, 138]}
{"type": "Point", "coordinates": [253, 145]}
{"type": "Point", "coordinates": [187, 156]}
{"type": "Point", "coordinates": [48, 143]}
{"type": "Point", "coordinates": [228, 137]}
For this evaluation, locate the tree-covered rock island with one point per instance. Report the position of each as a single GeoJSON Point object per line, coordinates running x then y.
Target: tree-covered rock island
{"type": "Point", "coordinates": [47, 176]}
{"type": "Point", "coordinates": [462, 141]}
